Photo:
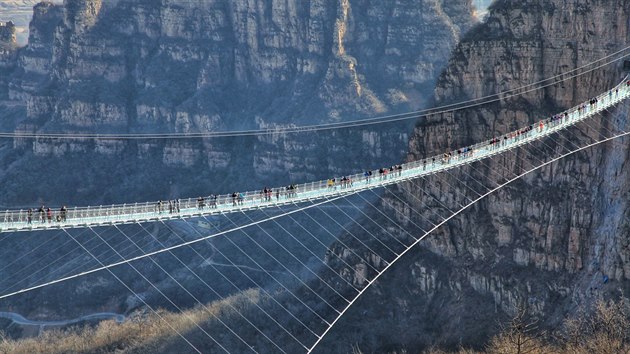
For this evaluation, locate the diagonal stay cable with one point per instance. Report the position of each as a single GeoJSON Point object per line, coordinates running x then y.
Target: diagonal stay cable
{"type": "Point", "coordinates": [40, 269]}
{"type": "Point", "coordinates": [127, 261]}
{"type": "Point", "coordinates": [159, 290]}
{"type": "Point", "coordinates": [296, 258]}
{"type": "Point", "coordinates": [135, 294]}
{"type": "Point", "coordinates": [453, 216]}
{"type": "Point", "coordinates": [61, 270]}
{"type": "Point", "coordinates": [249, 237]}
{"type": "Point", "coordinates": [298, 278]}
{"type": "Point", "coordinates": [182, 286]}
{"type": "Point", "coordinates": [364, 260]}
{"type": "Point", "coordinates": [77, 268]}
{"type": "Point", "coordinates": [357, 238]}
{"type": "Point", "coordinates": [404, 229]}
{"type": "Point", "coordinates": [310, 233]}
{"type": "Point", "coordinates": [263, 290]}
{"type": "Point", "coordinates": [432, 210]}
{"type": "Point", "coordinates": [367, 230]}
{"type": "Point", "coordinates": [216, 293]}
{"type": "Point", "coordinates": [35, 249]}
{"type": "Point", "coordinates": [363, 213]}
{"type": "Point", "coordinates": [385, 216]}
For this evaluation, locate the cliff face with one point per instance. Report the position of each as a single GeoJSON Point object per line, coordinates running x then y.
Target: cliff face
{"type": "Point", "coordinates": [133, 66]}
{"type": "Point", "coordinates": [141, 66]}
{"type": "Point", "coordinates": [7, 54]}
{"type": "Point", "coordinates": [7, 34]}
{"type": "Point", "coordinates": [212, 53]}
{"type": "Point", "coordinates": [529, 41]}
{"type": "Point", "coordinates": [20, 12]}
{"type": "Point", "coordinates": [35, 60]}
{"type": "Point", "coordinates": [553, 240]}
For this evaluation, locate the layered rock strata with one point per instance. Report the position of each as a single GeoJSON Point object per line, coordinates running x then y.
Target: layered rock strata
{"type": "Point", "coordinates": [134, 67]}
{"type": "Point", "coordinates": [141, 66]}
{"type": "Point", "coordinates": [554, 240]}
{"type": "Point", "coordinates": [7, 54]}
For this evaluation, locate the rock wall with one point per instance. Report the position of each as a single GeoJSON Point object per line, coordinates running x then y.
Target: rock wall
{"type": "Point", "coordinates": [553, 240]}
{"type": "Point", "coordinates": [141, 66]}
{"type": "Point", "coordinates": [7, 54]}
{"type": "Point", "coordinates": [7, 33]}
{"type": "Point", "coordinates": [34, 64]}
{"type": "Point", "coordinates": [546, 39]}
{"type": "Point", "coordinates": [131, 66]}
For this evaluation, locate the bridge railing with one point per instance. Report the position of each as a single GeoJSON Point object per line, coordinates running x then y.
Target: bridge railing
{"type": "Point", "coordinates": [316, 189]}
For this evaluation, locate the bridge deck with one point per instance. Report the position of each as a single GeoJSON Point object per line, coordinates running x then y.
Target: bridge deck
{"type": "Point", "coordinates": [79, 217]}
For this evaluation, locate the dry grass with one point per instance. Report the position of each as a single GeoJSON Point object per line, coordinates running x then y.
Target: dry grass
{"type": "Point", "coordinates": [602, 329]}
{"type": "Point", "coordinates": [149, 331]}
{"type": "Point", "coordinates": [460, 351]}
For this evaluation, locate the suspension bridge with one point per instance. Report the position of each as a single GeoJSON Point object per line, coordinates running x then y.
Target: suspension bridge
{"type": "Point", "coordinates": [92, 216]}
{"type": "Point", "coordinates": [310, 323]}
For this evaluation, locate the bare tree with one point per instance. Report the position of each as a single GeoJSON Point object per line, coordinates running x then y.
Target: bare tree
{"type": "Point", "coordinates": [522, 335]}
{"type": "Point", "coordinates": [603, 330]}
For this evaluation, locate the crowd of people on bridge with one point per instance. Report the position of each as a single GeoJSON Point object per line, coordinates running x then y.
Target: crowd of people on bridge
{"type": "Point", "coordinates": [173, 206]}
{"type": "Point", "coordinates": [238, 198]}
{"type": "Point", "coordinates": [212, 202]}
{"type": "Point", "coordinates": [383, 174]}
{"type": "Point", "coordinates": [266, 195]}
{"type": "Point", "coordinates": [44, 214]}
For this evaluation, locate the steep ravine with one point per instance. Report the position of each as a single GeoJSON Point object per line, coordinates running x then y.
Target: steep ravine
{"type": "Point", "coordinates": [132, 67]}
{"type": "Point", "coordinates": [137, 66]}
{"type": "Point", "coordinates": [555, 240]}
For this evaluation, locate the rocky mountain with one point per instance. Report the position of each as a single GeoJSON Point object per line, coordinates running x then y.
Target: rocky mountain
{"type": "Point", "coordinates": [481, 7]}
{"type": "Point", "coordinates": [131, 66]}
{"type": "Point", "coordinates": [139, 66]}
{"type": "Point", "coordinates": [20, 13]}
{"type": "Point", "coordinates": [8, 50]}
{"type": "Point", "coordinates": [555, 240]}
